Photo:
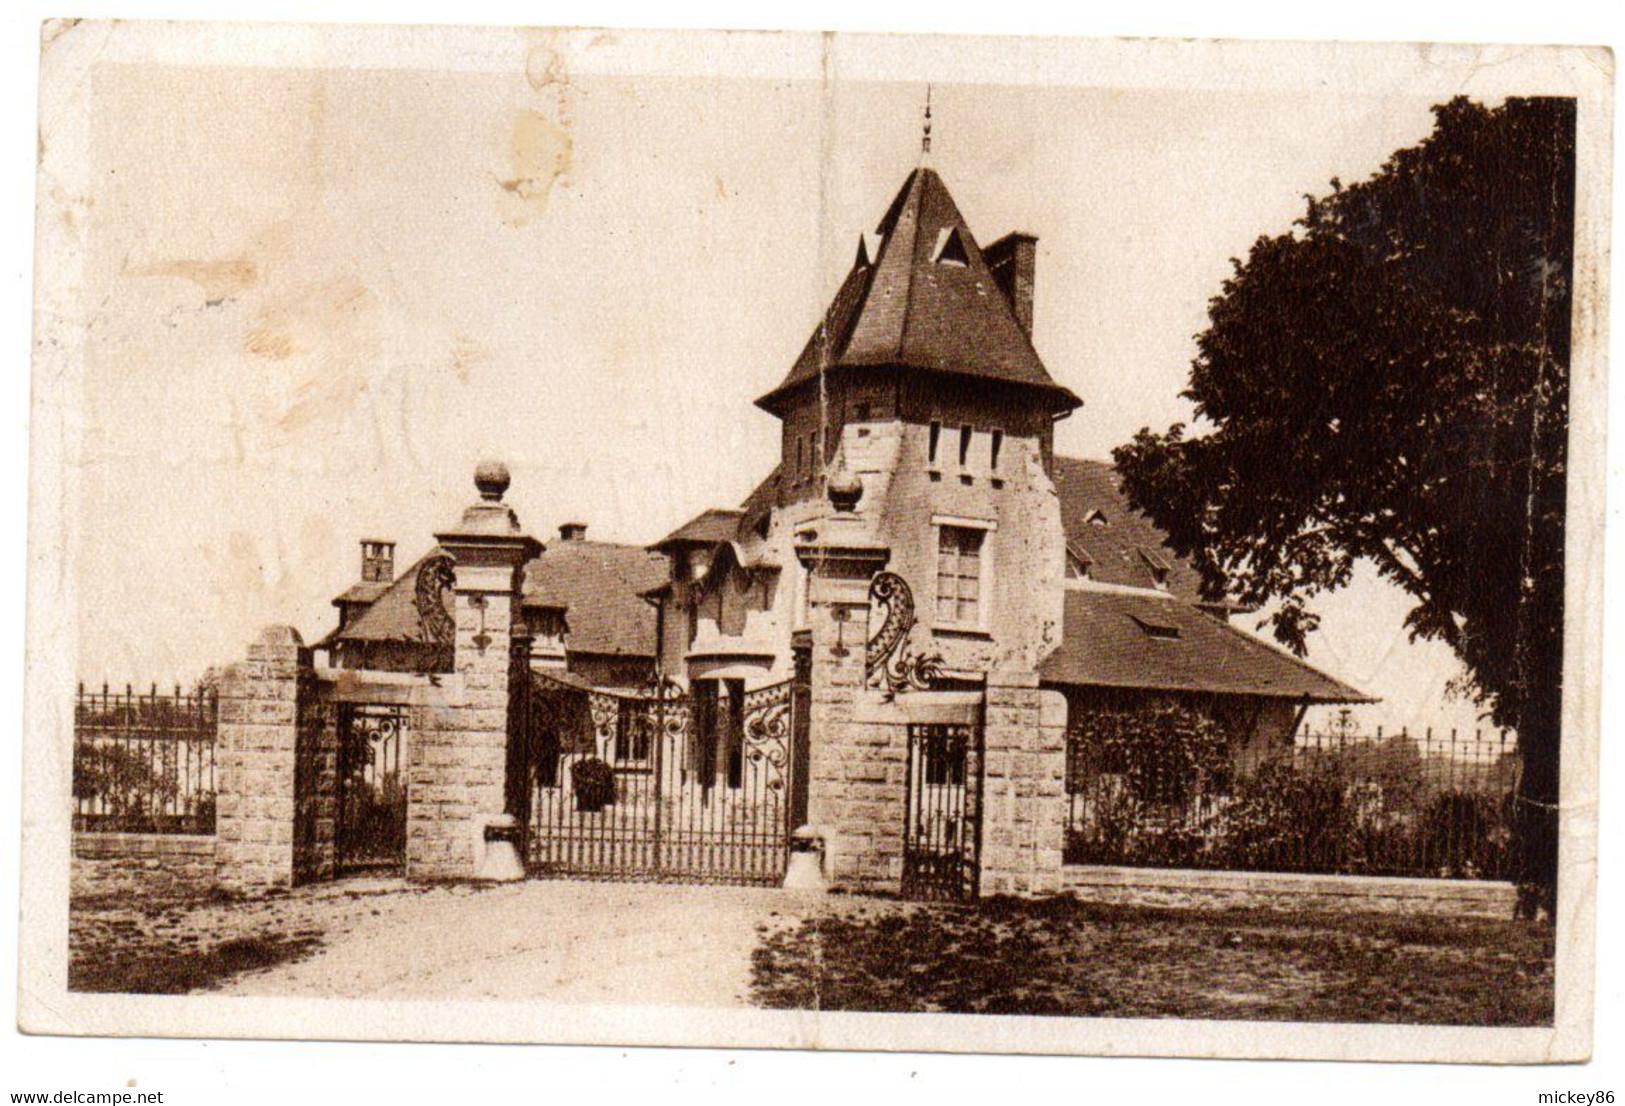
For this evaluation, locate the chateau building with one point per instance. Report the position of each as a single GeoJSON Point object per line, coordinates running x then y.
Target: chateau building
{"type": "Point", "coordinates": [920, 560]}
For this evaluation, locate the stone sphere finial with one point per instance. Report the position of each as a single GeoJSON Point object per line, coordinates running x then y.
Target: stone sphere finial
{"type": "Point", "coordinates": [491, 478]}
{"type": "Point", "coordinates": [844, 489]}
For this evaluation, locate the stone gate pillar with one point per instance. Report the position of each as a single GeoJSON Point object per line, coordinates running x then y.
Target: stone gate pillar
{"type": "Point", "coordinates": [1024, 786]}
{"type": "Point", "coordinates": [264, 705]}
{"type": "Point", "coordinates": [855, 765]}
{"type": "Point", "coordinates": [459, 760]}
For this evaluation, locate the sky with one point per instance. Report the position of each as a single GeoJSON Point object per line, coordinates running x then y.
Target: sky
{"type": "Point", "coordinates": [317, 297]}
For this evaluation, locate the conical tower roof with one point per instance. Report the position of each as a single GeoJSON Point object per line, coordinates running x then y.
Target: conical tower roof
{"type": "Point", "coordinates": [927, 302]}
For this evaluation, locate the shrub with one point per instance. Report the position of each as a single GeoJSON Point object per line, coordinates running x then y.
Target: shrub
{"type": "Point", "coordinates": [1288, 819]}
{"type": "Point", "coordinates": [1468, 834]}
{"type": "Point", "coordinates": [593, 782]}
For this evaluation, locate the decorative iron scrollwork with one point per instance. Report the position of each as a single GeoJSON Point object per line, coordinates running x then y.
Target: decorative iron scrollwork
{"type": "Point", "coordinates": [436, 579]}
{"type": "Point", "coordinates": [767, 733]}
{"type": "Point", "coordinates": [890, 663]}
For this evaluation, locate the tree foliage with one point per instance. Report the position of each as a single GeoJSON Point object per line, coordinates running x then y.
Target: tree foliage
{"type": "Point", "coordinates": [1388, 382]}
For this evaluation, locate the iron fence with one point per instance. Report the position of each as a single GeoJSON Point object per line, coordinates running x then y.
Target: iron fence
{"type": "Point", "coordinates": [144, 762]}
{"type": "Point", "coordinates": [1337, 801]}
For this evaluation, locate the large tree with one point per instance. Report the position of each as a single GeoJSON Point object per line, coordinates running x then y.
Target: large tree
{"type": "Point", "coordinates": [1388, 382]}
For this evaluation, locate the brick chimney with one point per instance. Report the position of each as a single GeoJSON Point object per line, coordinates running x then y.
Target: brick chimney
{"type": "Point", "coordinates": [377, 562]}
{"type": "Point", "coordinates": [1012, 260]}
{"type": "Point", "coordinates": [573, 531]}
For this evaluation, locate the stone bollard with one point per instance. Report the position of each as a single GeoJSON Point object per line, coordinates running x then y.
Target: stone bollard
{"type": "Point", "coordinates": [499, 858]}
{"type": "Point", "coordinates": [806, 869]}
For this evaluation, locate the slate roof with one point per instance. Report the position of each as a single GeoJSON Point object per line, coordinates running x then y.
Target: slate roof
{"type": "Point", "coordinates": [709, 527]}
{"type": "Point", "coordinates": [1116, 545]}
{"type": "Point", "coordinates": [597, 582]}
{"type": "Point", "coordinates": [907, 309]}
{"type": "Point", "coordinates": [1155, 642]}
{"type": "Point", "coordinates": [393, 616]}
{"type": "Point", "coordinates": [362, 593]}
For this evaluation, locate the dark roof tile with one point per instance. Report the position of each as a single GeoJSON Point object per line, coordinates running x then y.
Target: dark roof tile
{"type": "Point", "coordinates": [598, 584]}
{"type": "Point", "coordinates": [1153, 642]}
{"type": "Point", "coordinates": [1120, 545]}
{"type": "Point", "coordinates": [910, 309]}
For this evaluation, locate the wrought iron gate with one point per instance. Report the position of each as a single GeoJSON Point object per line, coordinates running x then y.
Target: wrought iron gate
{"type": "Point", "coordinates": [942, 830]}
{"type": "Point", "coordinates": [370, 831]}
{"type": "Point", "coordinates": [661, 784]}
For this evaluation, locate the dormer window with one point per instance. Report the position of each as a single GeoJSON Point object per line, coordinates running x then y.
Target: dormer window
{"type": "Point", "coordinates": [1078, 564]}
{"type": "Point", "coordinates": [951, 248]}
{"type": "Point", "coordinates": [1157, 628]}
{"type": "Point", "coordinates": [1158, 567]}
{"type": "Point", "coordinates": [1096, 518]}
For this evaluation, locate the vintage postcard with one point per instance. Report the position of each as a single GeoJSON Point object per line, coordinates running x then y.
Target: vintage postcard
{"type": "Point", "coordinates": [796, 541]}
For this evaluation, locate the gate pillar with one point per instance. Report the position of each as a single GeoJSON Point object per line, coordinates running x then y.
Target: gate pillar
{"type": "Point", "coordinates": [855, 767]}
{"type": "Point", "coordinates": [459, 756]}
{"type": "Point", "coordinates": [265, 703]}
{"type": "Point", "coordinates": [1024, 789]}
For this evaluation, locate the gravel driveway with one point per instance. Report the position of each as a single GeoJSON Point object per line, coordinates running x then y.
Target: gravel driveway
{"type": "Point", "coordinates": [562, 940]}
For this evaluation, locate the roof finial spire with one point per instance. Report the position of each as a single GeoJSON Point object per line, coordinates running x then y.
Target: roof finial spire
{"type": "Point", "coordinates": [925, 139]}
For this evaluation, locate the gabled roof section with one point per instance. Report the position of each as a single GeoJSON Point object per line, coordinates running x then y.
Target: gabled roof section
{"type": "Point", "coordinates": [927, 301]}
{"type": "Point", "coordinates": [1120, 545]}
{"type": "Point", "coordinates": [597, 584]}
{"type": "Point", "coordinates": [1157, 643]}
{"type": "Point", "coordinates": [393, 616]}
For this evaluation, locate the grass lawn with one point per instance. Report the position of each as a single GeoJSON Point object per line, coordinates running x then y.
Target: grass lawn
{"type": "Point", "coordinates": [1064, 957]}
{"type": "Point", "coordinates": [175, 941]}
{"type": "Point", "coordinates": [167, 946]}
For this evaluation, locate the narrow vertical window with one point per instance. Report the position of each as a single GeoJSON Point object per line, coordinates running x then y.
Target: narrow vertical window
{"type": "Point", "coordinates": [959, 575]}
{"type": "Point", "coordinates": [734, 757]}
{"type": "Point", "coordinates": [964, 445]}
{"type": "Point", "coordinates": [993, 453]}
{"type": "Point", "coordinates": [936, 437]}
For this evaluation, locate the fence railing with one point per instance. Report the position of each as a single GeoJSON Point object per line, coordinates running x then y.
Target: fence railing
{"type": "Point", "coordinates": [1335, 802]}
{"type": "Point", "coordinates": [143, 762]}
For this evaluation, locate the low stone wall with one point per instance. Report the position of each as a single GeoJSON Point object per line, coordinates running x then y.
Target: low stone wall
{"type": "Point", "coordinates": [1288, 891]}
{"type": "Point", "coordinates": [141, 863]}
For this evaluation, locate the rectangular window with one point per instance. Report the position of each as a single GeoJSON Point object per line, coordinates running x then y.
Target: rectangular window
{"type": "Point", "coordinates": [959, 575]}
{"type": "Point", "coordinates": [993, 455]}
{"type": "Point", "coordinates": [801, 457]}
{"type": "Point", "coordinates": [964, 445]}
{"type": "Point", "coordinates": [936, 437]}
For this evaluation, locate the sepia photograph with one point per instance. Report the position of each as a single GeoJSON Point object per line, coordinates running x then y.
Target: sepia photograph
{"type": "Point", "coordinates": [1082, 546]}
